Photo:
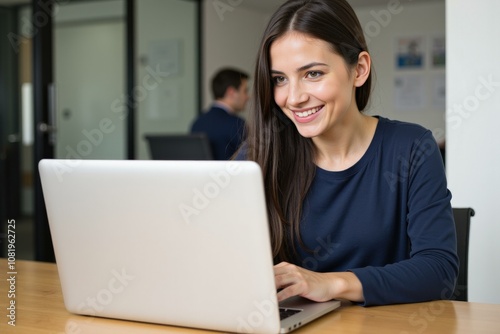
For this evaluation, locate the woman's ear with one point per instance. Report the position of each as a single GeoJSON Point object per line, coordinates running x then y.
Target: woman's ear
{"type": "Point", "coordinates": [362, 69]}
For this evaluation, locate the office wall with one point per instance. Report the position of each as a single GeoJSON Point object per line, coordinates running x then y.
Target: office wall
{"type": "Point", "coordinates": [231, 37]}
{"type": "Point", "coordinates": [167, 68]}
{"type": "Point", "coordinates": [383, 26]}
{"type": "Point", "coordinates": [473, 138]}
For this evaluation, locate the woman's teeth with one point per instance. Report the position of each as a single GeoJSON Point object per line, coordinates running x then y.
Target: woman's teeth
{"type": "Point", "coordinates": [307, 113]}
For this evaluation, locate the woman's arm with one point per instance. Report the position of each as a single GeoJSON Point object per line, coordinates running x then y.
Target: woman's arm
{"type": "Point", "coordinates": [429, 269]}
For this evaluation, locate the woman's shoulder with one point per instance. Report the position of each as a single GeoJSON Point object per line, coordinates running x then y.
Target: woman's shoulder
{"type": "Point", "coordinates": [401, 130]}
{"type": "Point", "coordinates": [399, 138]}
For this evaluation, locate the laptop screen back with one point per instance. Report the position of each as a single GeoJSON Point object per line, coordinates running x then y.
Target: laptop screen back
{"type": "Point", "coordinates": [174, 242]}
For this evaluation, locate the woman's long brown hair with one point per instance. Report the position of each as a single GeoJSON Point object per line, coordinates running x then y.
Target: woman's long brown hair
{"type": "Point", "coordinates": [286, 158]}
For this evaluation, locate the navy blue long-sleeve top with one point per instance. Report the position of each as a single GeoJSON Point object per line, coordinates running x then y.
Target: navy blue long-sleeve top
{"type": "Point", "coordinates": [388, 219]}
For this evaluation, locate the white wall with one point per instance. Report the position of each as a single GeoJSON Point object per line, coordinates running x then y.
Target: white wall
{"type": "Point", "coordinates": [473, 138]}
{"type": "Point", "coordinates": [231, 36]}
{"type": "Point", "coordinates": [166, 95]}
{"type": "Point", "coordinates": [382, 25]}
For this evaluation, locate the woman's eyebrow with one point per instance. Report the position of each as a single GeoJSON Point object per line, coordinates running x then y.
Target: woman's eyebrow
{"type": "Point", "coordinates": [302, 68]}
{"type": "Point", "coordinates": [308, 66]}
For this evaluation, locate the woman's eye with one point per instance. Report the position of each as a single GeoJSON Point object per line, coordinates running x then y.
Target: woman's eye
{"type": "Point", "coordinates": [314, 74]}
{"type": "Point", "coordinates": [278, 80]}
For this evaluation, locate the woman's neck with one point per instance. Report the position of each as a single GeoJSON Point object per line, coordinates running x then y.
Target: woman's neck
{"type": "Point", "coordinates": [346, 144]}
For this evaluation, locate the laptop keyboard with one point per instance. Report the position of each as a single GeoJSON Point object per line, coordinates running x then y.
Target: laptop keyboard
{"type": "Point", "coordinates": [287, 312]}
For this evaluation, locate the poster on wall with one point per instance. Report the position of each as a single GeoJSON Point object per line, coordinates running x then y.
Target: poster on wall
{"type": "Point", "coordinates": [164, 57]}
{"type": "Point", "coordinates": [410, 52]}
{"type": "Point", "coordinates": [438, 51]}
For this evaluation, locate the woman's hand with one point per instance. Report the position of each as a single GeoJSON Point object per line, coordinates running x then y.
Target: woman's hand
{"type": "Point", "coordinates": [320, 287]}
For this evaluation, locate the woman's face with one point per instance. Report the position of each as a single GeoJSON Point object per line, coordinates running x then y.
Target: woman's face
{"type": "Point", "coordinates": [312, 85]}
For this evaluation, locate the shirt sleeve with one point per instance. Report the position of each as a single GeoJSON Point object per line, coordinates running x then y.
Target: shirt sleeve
{"type": "Point", "coordinates": [432, 267]}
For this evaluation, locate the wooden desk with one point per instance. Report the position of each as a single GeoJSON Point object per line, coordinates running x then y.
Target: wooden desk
{"type": "Point", "coordinates": [40, 309]}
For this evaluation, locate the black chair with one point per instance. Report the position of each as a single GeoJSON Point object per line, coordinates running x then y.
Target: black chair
{"type": "Point", "coordinates": [179, 146]}
{"type": "Point", "coordinates": [462, 223]}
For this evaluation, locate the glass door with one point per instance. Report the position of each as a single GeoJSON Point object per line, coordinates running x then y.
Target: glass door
{"type": "Point", "coordinates": [88, 73]}
{"type": "Point", "coordinates": [89, 70]}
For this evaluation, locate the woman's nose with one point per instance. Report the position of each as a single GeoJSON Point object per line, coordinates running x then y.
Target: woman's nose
{"type": "Point", "coordinates": [296, 94]}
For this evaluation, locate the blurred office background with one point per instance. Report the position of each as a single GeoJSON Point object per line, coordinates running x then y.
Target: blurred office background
{"type": "Point", "coordinates": [89, 78]}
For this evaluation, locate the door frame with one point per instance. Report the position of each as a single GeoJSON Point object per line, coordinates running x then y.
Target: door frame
{"type": "Point", "coordinates": [43, 148]}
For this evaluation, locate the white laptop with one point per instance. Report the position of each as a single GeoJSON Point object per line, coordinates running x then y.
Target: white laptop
{"type": "Point", "coordinates": [182, 243]}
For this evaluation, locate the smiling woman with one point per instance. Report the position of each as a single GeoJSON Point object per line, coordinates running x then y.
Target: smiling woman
{"type": "Point", "coordinates": [374, 188]}
{"type": "Point", "coordinates": [314, 87]}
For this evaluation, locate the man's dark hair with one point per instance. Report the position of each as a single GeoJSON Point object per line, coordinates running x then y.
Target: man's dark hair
{"type": "Point", "coordinates": [225, 78]}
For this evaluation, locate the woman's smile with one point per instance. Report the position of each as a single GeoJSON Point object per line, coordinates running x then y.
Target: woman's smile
{"type": "Point", "coordinates": [307, 114]}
